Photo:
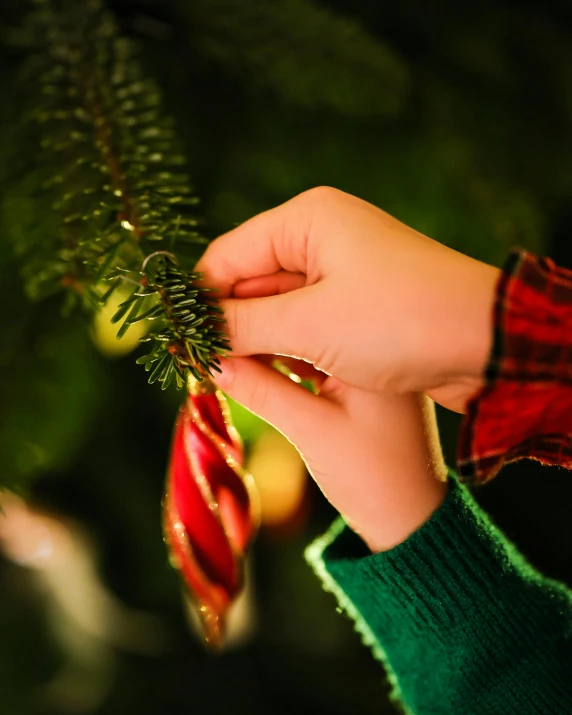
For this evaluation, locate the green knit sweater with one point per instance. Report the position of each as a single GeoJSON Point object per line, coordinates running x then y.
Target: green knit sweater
{"type": "Point", "coordinates": [463, 624]}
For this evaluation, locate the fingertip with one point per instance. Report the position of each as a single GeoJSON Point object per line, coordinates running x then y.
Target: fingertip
{"type": "Point", "coordinates": [275, 398]}
{"type": "Point", "coordinates": [267, 285]}
{"type": "Point", "coordinates": [276, 324]}
{"type": "Point", "coordinates": [207, 277]}
{"type": "Point", "coordinates": [255, 248]}
{"type": "Point", "coordinates": [225, 373]}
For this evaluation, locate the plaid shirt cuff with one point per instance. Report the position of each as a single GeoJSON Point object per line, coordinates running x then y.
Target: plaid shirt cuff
{"type": "Point", "coordinates": [525, 407]}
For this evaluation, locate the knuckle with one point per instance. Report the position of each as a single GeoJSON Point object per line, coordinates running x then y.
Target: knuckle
{"type": "Point", "coordinates": [316, 206]}
{"type": "Point", "coordinates": [319, 194]}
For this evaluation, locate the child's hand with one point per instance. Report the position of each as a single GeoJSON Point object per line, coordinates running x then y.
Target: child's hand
{"type": "Point", "coordinates": [365, 298]}
{"type": "Point", "coordinates": [376, 457]}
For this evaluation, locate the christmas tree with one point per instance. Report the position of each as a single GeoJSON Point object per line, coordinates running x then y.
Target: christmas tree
{"type": "Point", "coordinates": [117, 119]}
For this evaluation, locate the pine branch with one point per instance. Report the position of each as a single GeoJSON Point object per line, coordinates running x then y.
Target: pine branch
{"type": "Point", "coordinates": [187, 337]}
{"type": "Point", "coordinates": [115, 179]}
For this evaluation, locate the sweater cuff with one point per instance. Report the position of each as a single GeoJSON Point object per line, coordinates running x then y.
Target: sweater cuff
{"type": "Point", "coordinates": [445, 595]}
{"type": "Point", "coordinates": [431, 578]}
{"type": "Point", "coordinates": [525, 407]}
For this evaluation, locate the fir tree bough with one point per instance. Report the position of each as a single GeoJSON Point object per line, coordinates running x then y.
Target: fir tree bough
{"type": "Point", "coordinates": [111, 176]}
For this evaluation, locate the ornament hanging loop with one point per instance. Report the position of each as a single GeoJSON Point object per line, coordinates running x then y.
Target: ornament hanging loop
{"type": "Point", "coordinates": [154, 255]}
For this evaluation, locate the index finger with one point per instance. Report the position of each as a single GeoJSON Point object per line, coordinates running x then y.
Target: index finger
{"type": "Point", "coordinates": [267, 243]}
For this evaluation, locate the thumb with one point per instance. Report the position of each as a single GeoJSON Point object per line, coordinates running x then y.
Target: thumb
{"type": "Point", "coordinates": [278, 324]}
{"type": "Point", "coordinates": [286, 405]}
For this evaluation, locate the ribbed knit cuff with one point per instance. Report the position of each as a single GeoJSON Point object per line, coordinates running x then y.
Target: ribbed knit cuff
{"type": "Point", "coordinates": [430, 578]}
{"type": "Point", "coordinates": [455, 594]}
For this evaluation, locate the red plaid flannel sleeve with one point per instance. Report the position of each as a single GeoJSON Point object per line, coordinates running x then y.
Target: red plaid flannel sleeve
{"type": "Point", "coordinates": [525, 407]}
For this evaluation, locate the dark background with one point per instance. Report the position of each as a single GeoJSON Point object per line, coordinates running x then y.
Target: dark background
{"type": "Point", "coordinates": [456, 118]}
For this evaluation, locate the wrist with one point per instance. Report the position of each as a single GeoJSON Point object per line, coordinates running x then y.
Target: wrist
{"type": "Point", "coordinates": [395, 526]}
{"type": "Point", "coordinates": [462, 344]}
{"type": "Point", "coordinates": [407, 476]}
{"type": "Point", "coordinates": [477, 331]}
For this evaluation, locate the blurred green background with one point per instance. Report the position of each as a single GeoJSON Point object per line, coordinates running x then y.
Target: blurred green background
{"type": "Point", "coordinates": [454, 117]}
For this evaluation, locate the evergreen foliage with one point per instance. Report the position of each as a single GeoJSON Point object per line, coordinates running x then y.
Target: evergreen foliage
{"type": "Point", "coordinates": [454, 117]}
{"type": "Point", "coordinates": [430, 116]}
{"type": "Point", "coordinates": [111, 173]}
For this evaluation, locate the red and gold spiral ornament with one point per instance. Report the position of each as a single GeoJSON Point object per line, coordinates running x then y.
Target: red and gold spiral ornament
{"type": "Point", "coordinates": [211, 508]}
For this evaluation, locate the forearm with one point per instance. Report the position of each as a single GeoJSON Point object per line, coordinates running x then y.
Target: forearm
{"type": "Point", "coordinates": [462, 622]}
